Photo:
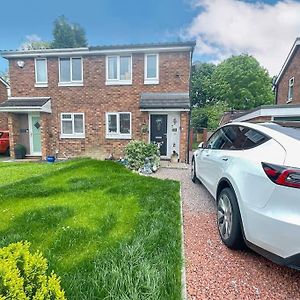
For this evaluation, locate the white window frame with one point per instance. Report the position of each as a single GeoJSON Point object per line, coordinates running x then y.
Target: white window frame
{"type": "Point", "coordinates": [72, 82]}
{"type": "Point", "coordinates": [118, 81]}
{"type": "Point", "coordinates": [73, 135]}
{"type": "Point", "coordinates": [40, 83]}
{"type": "Point", "coordinates": [151, 80]}
{"type": "Point", "coordinates": [118, 135]}
{"type": "Point", "coordinates": [291, 86]}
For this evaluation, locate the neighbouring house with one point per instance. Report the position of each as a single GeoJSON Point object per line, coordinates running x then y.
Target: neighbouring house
{"type": "Point", "coordinates": [286, 110]}
{"type": "Point", "coordinates": [93, 101]}
{"type": "Point", "coordinates": [4, 93]}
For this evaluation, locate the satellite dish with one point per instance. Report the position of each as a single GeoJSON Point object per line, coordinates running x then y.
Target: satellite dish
{"type": "Point", "coordinates": [20, 63]}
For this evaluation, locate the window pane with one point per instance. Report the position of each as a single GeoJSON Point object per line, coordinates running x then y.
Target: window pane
{"type": "Point", "coordinates": [76, 69]}
{"type": "Point", "coordinates": [65, 70]}
{"type": "Point", "coordinates": [67, 127]}
{"type": "Point", "coordinates": [112, 123]}
{"type": "Point", "coordinates": [67, 116]}
{"type": "Point", "coordinates": [112, 68]}
{"type": "Point", "coordinates": [151, 66]}
{"type": "Point", "coordinates": [125, 68]}
{"type": "Point", "coordinates": [78, 123]}
{"type": "Point", "coordinates": [124, 123]}
{"type": "Point", "coordinates": [41, 72]}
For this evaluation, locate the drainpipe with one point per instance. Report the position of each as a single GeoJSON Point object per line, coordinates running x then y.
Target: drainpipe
{"type": "Point", "coordinates": [189, 114]}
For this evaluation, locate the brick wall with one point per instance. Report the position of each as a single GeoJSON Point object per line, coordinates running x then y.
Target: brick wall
{"type": "Point", "coordinates": [3, 97]}
{"type": "Point", "coordinates": [292, 70]}
{"type": "Point", "coordinates": [95, 99]}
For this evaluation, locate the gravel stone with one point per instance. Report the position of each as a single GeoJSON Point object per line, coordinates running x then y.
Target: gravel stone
{"type": "Point", "coordinates": [212, 270]}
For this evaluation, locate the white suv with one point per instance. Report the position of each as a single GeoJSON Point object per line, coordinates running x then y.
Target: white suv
{"type": "Point", "coordinates": [253, 172]}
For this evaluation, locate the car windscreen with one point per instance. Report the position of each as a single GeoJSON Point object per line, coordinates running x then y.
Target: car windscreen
{"type": "Point", "coordinates": [289, 131]}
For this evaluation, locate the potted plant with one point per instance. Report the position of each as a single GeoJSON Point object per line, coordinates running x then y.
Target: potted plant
{"type": "Point", "coordinates": [20, 151]}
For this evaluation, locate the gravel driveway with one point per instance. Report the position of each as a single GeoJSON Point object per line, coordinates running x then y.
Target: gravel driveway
{"type": "Point", "coordinates": [212, 270]}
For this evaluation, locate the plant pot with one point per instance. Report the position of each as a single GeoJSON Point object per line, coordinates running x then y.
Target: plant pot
{"type": "Point", "coordinates": [50, 159]}
{"type": "Point", "coordinates": [19, 155]}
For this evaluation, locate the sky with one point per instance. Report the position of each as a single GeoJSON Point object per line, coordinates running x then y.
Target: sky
{"type": "Point", "coordinates": [265, 29]}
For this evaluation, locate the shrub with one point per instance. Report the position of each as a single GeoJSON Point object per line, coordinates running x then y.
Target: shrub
{"type": "Point", "coordinates": [23, 276]}
{"type": "Point", "coordinates": [136, 153]}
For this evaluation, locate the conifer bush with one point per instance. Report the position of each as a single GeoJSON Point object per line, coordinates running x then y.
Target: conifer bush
{"type": "Point", "coordinates": [24, 276]}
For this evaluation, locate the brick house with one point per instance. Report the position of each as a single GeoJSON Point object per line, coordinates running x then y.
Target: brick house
{"type": "Point", "coordinates": [4, 93]}
{"type": "Point", "coordinates": [286, 110]}
{"type": "Point", "coordinates": [93, 101]}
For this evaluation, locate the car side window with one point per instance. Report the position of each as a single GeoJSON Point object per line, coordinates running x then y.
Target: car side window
{"type": "Point", "coordinates": [235, 137]}
{"type": "Point", "coordinates": [253, 138]}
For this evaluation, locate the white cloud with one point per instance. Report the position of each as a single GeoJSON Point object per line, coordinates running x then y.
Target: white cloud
{"type": "Point", "coordinates": [29, 39]}
{"type": "Point", "coordinates": [226, 27]}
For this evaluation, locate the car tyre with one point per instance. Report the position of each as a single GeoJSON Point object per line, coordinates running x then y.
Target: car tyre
{"type": "Point", "coordinates": [7, 152]}
{"type": "Point", "coordinates": [193, 171]}
{"type": "Point", "coordinates": [229, 220]}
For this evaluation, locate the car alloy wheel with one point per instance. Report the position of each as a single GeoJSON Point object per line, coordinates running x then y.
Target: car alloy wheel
{"type": "Point", "coordinates": [229, 220]}
{"type": "Point", "coordinates": [224, 216]}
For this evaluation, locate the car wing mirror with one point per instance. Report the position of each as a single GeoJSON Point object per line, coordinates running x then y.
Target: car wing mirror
{"type": "Point", "coordinates": [201, 145]}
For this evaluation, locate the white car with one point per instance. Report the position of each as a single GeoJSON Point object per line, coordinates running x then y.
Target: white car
{"type": "Point", "coordinates": [253, 172]}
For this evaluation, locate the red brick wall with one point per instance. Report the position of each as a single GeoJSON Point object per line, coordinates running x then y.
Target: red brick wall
{"type": "Point", "coordinates": [3, 97]}
{"type": "Point", "coordinates": [292, 70]}
{"type": "Point", "coordinates": [95, 99]}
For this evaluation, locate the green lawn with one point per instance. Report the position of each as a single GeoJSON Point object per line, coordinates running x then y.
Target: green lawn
{"type": "Point", "coordinates": [108, 233]}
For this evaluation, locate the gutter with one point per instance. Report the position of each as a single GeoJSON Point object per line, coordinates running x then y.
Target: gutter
{"type": "Point", "coordinates": [189, 114]}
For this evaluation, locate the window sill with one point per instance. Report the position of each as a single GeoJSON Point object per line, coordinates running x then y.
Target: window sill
{"type": "Point", "coordinates": [119, 137]}
{"type": "Point", "coordinates": [119, 82]}
{"type": "Point", "coordinates": [41, 85]}
{"type": "Point", "coordinates": [71, 136]}
{"type": "Point", "coordinates": [151, 81]}
{"type": "Point", "coordinates": [70, 84]}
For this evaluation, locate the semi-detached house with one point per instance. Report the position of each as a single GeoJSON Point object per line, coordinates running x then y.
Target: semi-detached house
{"type": "Point", "coordinates": [93, 101]}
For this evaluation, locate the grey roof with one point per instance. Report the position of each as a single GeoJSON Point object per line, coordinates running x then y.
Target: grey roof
{"type": "Point", "coordinates": [25, 102]}
{"type": "Point", "coordinates": [145, 45]}
{"type": "Point", "coordinates": [165, 100]}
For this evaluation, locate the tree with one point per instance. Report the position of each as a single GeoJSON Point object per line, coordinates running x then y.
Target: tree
{"type": "Point", "coordinates": [68, 35]}
{"type": "Point", "coordinates": [208, 116]}
{"type": "Point", "coordinates": [242, 83]}
{"type": "Point", "coordinates": [201, 92]}
{"type": "Point", "coordinates": [34, 42]}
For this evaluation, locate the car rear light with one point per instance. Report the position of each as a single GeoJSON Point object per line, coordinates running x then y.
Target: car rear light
{"type": "Point", "coordinates": [286, 176]}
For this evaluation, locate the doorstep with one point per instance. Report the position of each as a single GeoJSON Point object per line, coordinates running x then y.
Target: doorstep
{"type": "Point", "coordinates": [169, 165]}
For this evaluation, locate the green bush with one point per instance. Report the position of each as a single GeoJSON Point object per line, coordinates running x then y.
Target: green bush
{"type": "Point", "coordinates": [136, 153]}
{"type": "Point", "coordinates": [23, 276]}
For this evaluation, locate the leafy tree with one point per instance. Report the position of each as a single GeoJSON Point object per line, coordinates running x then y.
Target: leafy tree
{"type": "Point", "coordinates": [201, 92]}
{"type": "Point", "coordinates": [208, 116]}
{"type": "Point", "coordinates": [242, 83]}
{"type": "Point", "coordinates": [34, 42]}
{"type": "Point", "coordinates": [68, 35]}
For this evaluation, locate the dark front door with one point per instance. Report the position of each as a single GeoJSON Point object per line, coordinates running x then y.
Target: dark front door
{"type": "Point", "coordinates": [159, 132]}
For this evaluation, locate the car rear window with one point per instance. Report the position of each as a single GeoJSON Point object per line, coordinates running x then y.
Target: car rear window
{"type": "Point", "coordinates": [289, 131]}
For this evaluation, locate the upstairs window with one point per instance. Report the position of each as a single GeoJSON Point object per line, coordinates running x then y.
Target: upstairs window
{"type": "Point", "coordinates": [151, 69]}
{"type": "Point", "coordinates": [118, 125]}
{"type": "Point", "coordinates": [72, 125]}
{"type": "Point", "coordinates": [70, 71]}
{"type": "Point", "coordinates": [118, 70]}
{"type": "Point", "coordinates": [41, 77]}
{"type": "Point", "coordinates": [291, 89]}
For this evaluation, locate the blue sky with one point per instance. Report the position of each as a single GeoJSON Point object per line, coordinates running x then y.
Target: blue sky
{"type": "Point", "coordinates": [135, 21]}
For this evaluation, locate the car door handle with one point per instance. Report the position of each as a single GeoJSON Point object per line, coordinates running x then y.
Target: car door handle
{"type": "Point", "coordinates": [225, 158]}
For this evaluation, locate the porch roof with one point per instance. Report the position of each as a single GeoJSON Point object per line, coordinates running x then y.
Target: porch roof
{"type": "Point", "coordinates": [179, 101]}
{"type": "Point", "coordinates": [26, 104]}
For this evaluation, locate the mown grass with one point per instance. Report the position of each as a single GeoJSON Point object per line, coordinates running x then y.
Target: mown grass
{"type": "Point", "coordinates": [109, 233]}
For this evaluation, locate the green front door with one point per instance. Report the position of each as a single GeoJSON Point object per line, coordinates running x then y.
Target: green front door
{"type": "Point", "coordinates": [35, 135]}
